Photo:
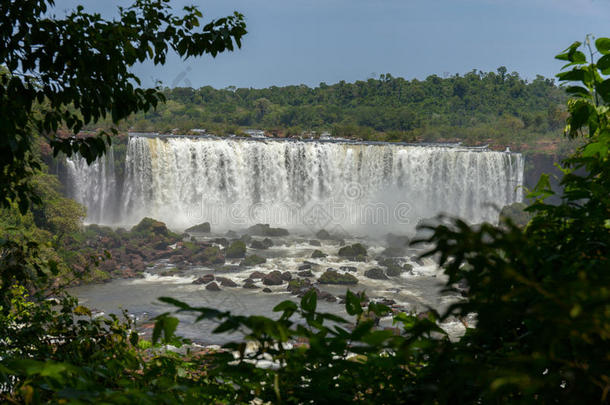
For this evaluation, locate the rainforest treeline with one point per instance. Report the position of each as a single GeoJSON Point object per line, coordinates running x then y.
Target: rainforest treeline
{"type": "Point", "coordinates": [475, 107]}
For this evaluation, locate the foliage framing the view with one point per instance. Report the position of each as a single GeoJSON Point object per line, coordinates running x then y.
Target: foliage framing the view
{"type": "Point", "coordinates": [73, 71]}
{"type": "Point", "coordinates": [540, 294]}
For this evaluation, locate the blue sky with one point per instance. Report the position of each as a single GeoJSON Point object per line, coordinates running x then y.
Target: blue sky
{"type": "Point", "coordinates": [313, 41]}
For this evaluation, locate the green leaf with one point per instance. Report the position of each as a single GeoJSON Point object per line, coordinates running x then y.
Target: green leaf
{"type": "Point", "coordinates": [164, 324]}
{"type": "Point", "coordinates": [573, 75]}
{"type": "Point", "coordinates": [578, 91]}
{"type": "Point", "coordinates": [603, 64]}
{"type": "Point", "coordinates": [309, 301]}
{"type": "Point", "coordinates": [567, 53]}
{"type": "Point", "coordinates": [603, 45]}
{"type": "Point", "coordinates": [603, 89]}
{"type": "Point", "coordinates": [285, 305]}
{"type": "Point", "coordinates": [352, 304]}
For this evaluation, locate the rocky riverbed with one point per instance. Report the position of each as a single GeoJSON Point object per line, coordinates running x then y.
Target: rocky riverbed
{"type": "Point", "coordinates": [251, 270]}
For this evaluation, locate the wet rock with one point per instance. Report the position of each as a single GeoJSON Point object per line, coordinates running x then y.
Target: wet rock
{"type": "Point", "coordinates": [351, 269]}
{"type": "Point", "coordinates": [252, 260]}
{"type": "Point", "coordinates": [150, 226]}
{"type": "Point", "coordinates": [273, 278]}
{"type": "Point", "coordinates": [323, 234]}
{"type": "Point", "coordinates": [318, 254]}
{"type": "Point", "coordinates": [305, 266]}
{"type": "Point", "coordinates": [237, 249]}
{"type": "Point", "coordinates": [332, 277]}
{"type": "Point", "coordinates": [257, 244]}
{"type": "Point", "coordinates": [305, 273]}
{"type": "Point", "coordinates": [246, 238]}
{"type": "Point", "coordinates": [249, 284]}
{"type": "Point", "coordinates": [257, 275]}
{"type": "Point", "coordinates": [286, 276]}
{"type": "Point", "coordinates": [201, 228]}
{"type": "Point", "coordinates": [267, 290]}
{"type": "Point", "coordinates": [315, 242]}
{"type": "Point", "coordinates": [354, 252]}
{"type": "Point", "coordinates": [212, 287]}
{"type": "Point", "coordinates": [266, 230]}
{"type": "Point", "coordinates": [297, 285]}
{"type": "Point", "coordinates": [226, 282]}
{"type": "Point", "coordinates": [376, 274]}
{"type": "Point", "coordinates": [204, 279]}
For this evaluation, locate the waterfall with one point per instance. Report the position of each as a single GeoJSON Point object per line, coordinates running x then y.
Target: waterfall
{"type": "Point", "coordinates": [94, 186]}
{"type": "Point", "coordinates": [364, 187]}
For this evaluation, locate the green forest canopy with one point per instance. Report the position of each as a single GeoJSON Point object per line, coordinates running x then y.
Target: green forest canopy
{"type": "Point", "coordinates": [478, 107]}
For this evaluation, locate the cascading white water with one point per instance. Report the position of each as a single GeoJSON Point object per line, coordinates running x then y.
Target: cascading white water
{"type": "Point", "coordinates": [234, 183]}
{"type": "Point", "coordinates": [94, 186]}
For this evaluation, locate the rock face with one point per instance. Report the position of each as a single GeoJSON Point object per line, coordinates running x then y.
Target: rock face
{"type": "Point", "coordinates": [318, 254]}
{"type": "Point", "coordinates": [266, 230]}
{"type": "Point", "coordinates": [236, 250]}
{"type": "Point", "coordinates": [375, 274]}
{"type": "Point", "coordinates": [273, 278]}
{"type": "Point", "coordinates": [212, 287]}
{"type": "Point", "coordinates": [332, 277]}
{"type": "Point", "coordinates": [356, 252]}
{"type": "Point", "coordinates": [252, 260]}
{"type": "Point", "coordinates": [201, 228]}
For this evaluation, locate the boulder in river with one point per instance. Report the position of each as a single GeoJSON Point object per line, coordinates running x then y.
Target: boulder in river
{"type": "Point", "coordinates": [376, 274]}
{"type": "Point", "coordinates": [249, 284]}
{"type": "Point", "coordinates": [295, 286]}
{"type": "Point", "coordinates": [323, 234]}
{"type": "Point", "coordinates": [273, 278]}
{"type": "Point", "coordinates": [212, 287]}
{"type": "Point", "coordinates": [204, 279]}
{"type": "Point", "coordinates": [236, 249]}
{"type": "Point", "coordinates": [226, 282]}
{"type": "Point", "coordinates": [355, 252]}
{"type": "Point", "coordinates": [305, 273]}
{"type": "Point", "coordinates": [315, 242]}
{"type": "Point", "coordinates": [252, 260]}
{"type": "Point", "coordinates": [333, 277]}
{"type": "Point", "coordinates": [267, 290]}
{"type": "Point", "coordinates": [305, 266]}
{"type": "Point", "coordinates": [257, 275]}
{"type": "Point", "coordinates": [318, 254]}
{"type": "Point", "coordinates": [351, 269]}
{"type": "Point", "coordinates": [266, 230]}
